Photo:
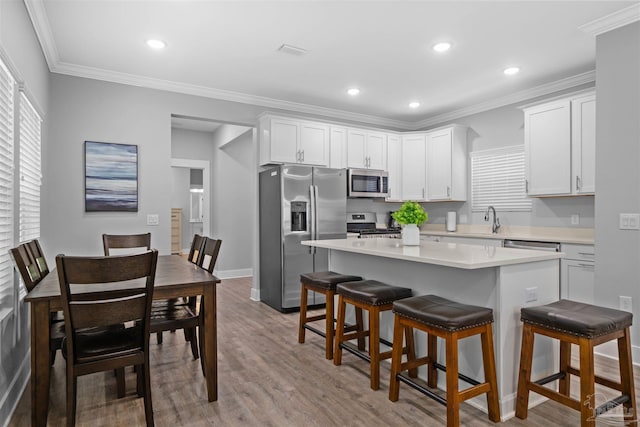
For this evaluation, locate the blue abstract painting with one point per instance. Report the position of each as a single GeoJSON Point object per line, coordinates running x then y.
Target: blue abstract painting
{"type": "Point", "coordinates": [111, 177]}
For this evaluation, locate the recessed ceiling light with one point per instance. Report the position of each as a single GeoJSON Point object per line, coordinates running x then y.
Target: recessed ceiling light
{"type": "Point", "coordinates": [511, 71]}
{"type": "Point", "coordinates": [442, 46]}
{"type": "Point", "coordinates": [156, 44]}
{"type": "Point", "coordinates": [414, 104]}
{"type": "Point", "coordinates": [353, 91]}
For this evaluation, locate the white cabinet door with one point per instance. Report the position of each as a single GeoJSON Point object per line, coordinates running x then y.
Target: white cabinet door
{"type": "Point", "coordinates": [439, 165]}
{"type": "Point", "coordinates": [284, 141]}
{"type": "Point", "coordinates": [356, 148]}
{"type": "Point", "coordinates": [578, 280]}
{"type": "Point", "coordinates": [414, 167]}
{"type": "Point", "coordinates": [376, 151]}
{"type": "Point", "coordinates": [394, 168]}
{"type": "Point", "coordinates": [548, 148]}
{"type": "Point", "coordinates": [338, 148]}
{"type": "Point", "coordinates": [583, 144]}
{"type": "Point", "coordinates": [314, 144]}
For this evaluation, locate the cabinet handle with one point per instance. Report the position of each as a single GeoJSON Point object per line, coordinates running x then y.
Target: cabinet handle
{"type": "Point", "coordinates": [586, 265]}
{"type": "Point", "coordinates": [586, 253]}
{"type": "Point", "coordinates": [448, 191]}
{"type": "Point", "coordinates": [298, 156]}
{"type": "Point", "coordinates": [578, 183]}
{"type": "Point", "coordinates": [423, 193]}
{"type": "Point", "coordinates": [526, 186]}
{"type": "Point", "coordinates": [302, 155]}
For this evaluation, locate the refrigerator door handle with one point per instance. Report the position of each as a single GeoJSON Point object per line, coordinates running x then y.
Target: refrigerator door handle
{"type": "Point", "coordinates": [312, 214]}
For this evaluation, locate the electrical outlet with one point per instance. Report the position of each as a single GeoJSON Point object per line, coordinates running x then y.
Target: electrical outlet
{"type": "Point", "coordinates": [153, 219]}
{"type": "Point", "coordinates": [575, 219]}
{"type": "Point", "coordinates": [629, 221]}
{"type": "Point", "coordinates": [626, 303]}
{"type": "Point", "coordinates": [531, 294]}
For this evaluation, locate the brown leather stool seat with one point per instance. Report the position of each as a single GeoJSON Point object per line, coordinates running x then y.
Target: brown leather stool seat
{"type": "Point", "coordinates": [323, 282]}
{"type": "Point", "coordinates": [451, 321]}
{"type": "Point", "coordinates": [584, 325]}
{"type": "Point", "coordinates": [375, 297]}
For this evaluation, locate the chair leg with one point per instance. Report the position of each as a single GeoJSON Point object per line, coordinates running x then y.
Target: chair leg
{"type": "Point", "coordinates": [587, 384]}
{"type": "Point", "coordinates": [72, 384]}
{"type": "Point", "coordinates": [139, 380]}
{"type": "Point", "coordinates": [304, 293]}
{"type": "Point", "coordinates": [360, 329]}
{"type": "Point", "coordinates": [411, 349]}
{"type": "Point", "coordinates": [453, 397]}
{"type": "Point", "coordinates": [120, 382]}
{"type": "Point", "coordinates": [329, 328]}
{"type": "Point", "coordinates": [432, 354]}
{"type": "Point", "coordinates": [374, 346]}
{"type": "Point", "coordinates": [564, 385]}
{"type": "Point", "coordinates": [148, 407]}
{"type": "Point", "coordinates": [201, 344]}
{"type": "Point", "coordinates": [193, 340]}
{"type": "Point", "coordinates": [524, 376]}
{"type": "Point", "coordinates": [489, 362]}
{"type": "Point", "coordinates": [626, 377]}
{"type": "Point", "coordinates": [396, 360]}
{"type": "Point", "coordinates": [337, 354]}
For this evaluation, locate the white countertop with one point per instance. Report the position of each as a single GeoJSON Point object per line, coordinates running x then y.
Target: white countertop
{"type": "Point", "coordinates": [447, 254]}
{"type": "Point", "coordinates": [582, 236]}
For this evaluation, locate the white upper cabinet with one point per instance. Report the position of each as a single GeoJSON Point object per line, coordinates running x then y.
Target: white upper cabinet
{"type": "Point", "coordinates": [366, 149]}
{"type": "Point", "coordinates": [338, 147]}
{"type": "Point", "coordinates": [447, 164]}
{"type": "Point", "coordinates": [394, 168]}
{"type": "Point", "coordinates": [560, 147]}
{"type": "Point", "coordinates": [583, 144]}
{"type": "Point", "coordinates": [414, 162]}
{"type": "Point", "coordinates": [284, 140]}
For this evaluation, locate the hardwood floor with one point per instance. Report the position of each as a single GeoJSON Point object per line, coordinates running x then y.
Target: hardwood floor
{"type": "Point", "coordinates": [265, 379]}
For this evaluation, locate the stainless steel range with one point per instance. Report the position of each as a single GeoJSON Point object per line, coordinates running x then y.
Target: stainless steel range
{"type": "Point", "coordinates": [365, 225]}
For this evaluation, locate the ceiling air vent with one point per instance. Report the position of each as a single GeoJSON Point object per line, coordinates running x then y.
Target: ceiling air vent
{"type": "Point", "coordinates": [292, 50]}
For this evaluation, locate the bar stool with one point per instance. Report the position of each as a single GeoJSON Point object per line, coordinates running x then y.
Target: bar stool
{"type": "Point", "coordinates": [586, 326]}
{"type": "Point", "coordinates": [375, 297]}
{"type": "Point", "coordinates": [452, 321]}
{"type": "Point", "coordinates": [323, 282]}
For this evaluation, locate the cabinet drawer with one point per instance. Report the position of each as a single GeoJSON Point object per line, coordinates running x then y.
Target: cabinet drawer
{"type": "Point", "coordinates": [580, 252]}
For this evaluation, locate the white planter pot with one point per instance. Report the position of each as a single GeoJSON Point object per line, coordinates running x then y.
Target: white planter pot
{"type": "Point", "coordinates": [410, 235]}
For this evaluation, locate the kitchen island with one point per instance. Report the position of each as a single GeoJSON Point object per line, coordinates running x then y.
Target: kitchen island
{"type": "Point", "coordinates": [500, 278]}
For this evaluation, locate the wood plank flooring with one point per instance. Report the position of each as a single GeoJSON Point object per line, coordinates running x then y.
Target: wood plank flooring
{"type": "Point", "coordinates": [265, 379]}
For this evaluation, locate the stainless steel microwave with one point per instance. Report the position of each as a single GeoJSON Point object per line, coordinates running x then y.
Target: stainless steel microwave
{"type": "Point", "coordinates": [367, 183]}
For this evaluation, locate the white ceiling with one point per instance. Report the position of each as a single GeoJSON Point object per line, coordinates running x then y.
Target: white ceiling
{"type": "Point", "coordinates": [229, 50]}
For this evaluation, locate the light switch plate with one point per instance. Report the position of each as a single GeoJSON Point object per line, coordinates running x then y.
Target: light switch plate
{"type": "Point", "coordinates": [629, 221]}
{"type": "Point", "coordinates": [153, 219]}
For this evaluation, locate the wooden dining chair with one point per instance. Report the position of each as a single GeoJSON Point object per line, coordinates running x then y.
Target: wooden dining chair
{"type": "Point", "coordinates": [210, 251]}
{"type": "Point", "coordinates": [86, 307]}
{"type": "Point", "coordinates": [196, 249]}
{"type": "Point", "coordinates": [27, 265]}
{"type": "Point", "coordinates": [38, 255]}
{"type": "Point", "coordinates": [141, 242]}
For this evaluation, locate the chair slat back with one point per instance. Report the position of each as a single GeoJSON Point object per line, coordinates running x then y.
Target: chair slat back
{"type": "Point", "coordinates": [195, 253]}
{"type": "Point", "coordinates": [26, 265]}
{"type": "Point", "coordinates": [125, 241]}
{"type": "Point", "coordinates": [85, 305]}
{"type": "Point", "coordinates": [38, 255]}
{"type": "Point", "coordinates": [210, 252]}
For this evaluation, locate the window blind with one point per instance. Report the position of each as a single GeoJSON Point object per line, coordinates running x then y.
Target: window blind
{"type": "Point", "coordinates": [30, 170]}
{"type": "Point", "coordinates": [7, 88]}
{"type": "Point", "coordinates": [498, 179]}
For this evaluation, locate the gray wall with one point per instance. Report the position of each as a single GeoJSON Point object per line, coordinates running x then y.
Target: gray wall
{"type": "Point", "coordinates": [234, 202]}
{"type": "Point", "coordinates": [618, 176]}
{"type": "Point", "coordinates": [20, 48]}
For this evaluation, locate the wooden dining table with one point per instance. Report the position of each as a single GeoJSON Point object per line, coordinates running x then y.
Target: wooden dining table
{"type": "Point", "coordinates": [175, 277]}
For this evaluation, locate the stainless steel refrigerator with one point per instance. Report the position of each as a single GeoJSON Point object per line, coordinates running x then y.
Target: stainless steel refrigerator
{"type": "Point", "coordinates": [297, 203]}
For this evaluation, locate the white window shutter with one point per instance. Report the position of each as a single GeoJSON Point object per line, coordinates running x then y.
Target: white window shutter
{"type": "Point", "coordinates": [7, 88]}
{"type": "Point", "coordinates": [498, 180]}
{"type": "Point", "coordinates": [30, 170]}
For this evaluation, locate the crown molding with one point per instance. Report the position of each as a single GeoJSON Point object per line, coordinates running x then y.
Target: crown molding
{"type": "Point", "coordinates": [38, 15]}
{"type": "Point", "coordinates": [612, 21]}
{"type": "Point", "coordinates": [524, 95]}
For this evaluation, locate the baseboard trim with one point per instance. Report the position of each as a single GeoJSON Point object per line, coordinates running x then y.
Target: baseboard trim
{"type": "Point", "coordinates": [11, 398]}
{"type": "Point", "coordinates": [230, 274]}
{"type": "Point", "coordinates": [255, 294]}
{"type": "Point", "coordinates": [610, 351]}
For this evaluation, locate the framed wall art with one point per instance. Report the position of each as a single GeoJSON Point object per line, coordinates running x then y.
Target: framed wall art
{"type": "Point", "coordinates": [111, 177]}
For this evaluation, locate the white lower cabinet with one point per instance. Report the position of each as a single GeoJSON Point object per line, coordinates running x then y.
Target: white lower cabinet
{"type": "Point", "coordinates": [577, 278]}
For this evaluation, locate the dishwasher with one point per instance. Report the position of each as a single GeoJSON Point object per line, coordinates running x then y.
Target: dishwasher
{"type": "Point", "coordinates": [530, 244]}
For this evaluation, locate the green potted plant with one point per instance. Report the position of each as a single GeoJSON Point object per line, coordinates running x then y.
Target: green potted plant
{"type": "Point", "coordinates": [410, 215]}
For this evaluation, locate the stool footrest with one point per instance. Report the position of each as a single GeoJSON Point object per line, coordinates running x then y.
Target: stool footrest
{"type": "Point", "coordinates": [545, 380]}
{"type": "Point", "coordinates": [315, 330]}
{"type": "Point", "coordinates": [461, 376]}
{"type": "Point", "coordinates": [354, 350]}
{"type": "Point", "coordinates": [598, 379]}
{"type": "Point", "coordinates": [422, 389]}
{"type": "Point", "coordinates": [611, 404]}
{"type": "Point", "coordinates": [314, 318]}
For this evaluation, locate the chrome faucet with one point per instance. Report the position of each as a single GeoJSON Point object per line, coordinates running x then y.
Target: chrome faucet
{"type": "Point", "coordinates": [496, 222]}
